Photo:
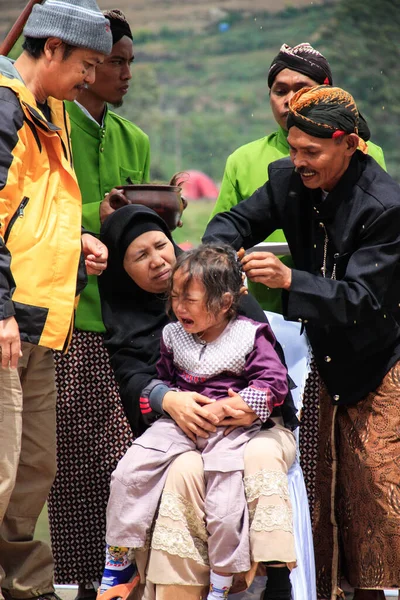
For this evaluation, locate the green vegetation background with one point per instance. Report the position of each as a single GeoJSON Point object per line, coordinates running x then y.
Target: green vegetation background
{"type": "Point", "coordinates": [201, 95]}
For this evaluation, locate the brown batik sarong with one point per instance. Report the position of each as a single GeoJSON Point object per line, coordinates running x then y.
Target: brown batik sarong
{"type": "Point", "coordinates": [357, 500]}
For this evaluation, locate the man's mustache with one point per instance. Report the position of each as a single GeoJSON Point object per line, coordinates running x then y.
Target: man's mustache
{"type": "Point", "coordinates": [301, 170]}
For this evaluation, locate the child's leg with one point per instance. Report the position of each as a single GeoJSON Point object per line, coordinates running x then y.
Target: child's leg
{"type": "Point", "coordinates": [138, 481]}
{"type": "Point", "coordinates": [227, 523]}
{"type": "Point", "coordinates": [225, 502]}
{"type": "Point", "coordinates": [220, 585]}
{"type": "Point", "coordinates": [118, 568]}
{"type": "Point", "coordinates": [268, 458]}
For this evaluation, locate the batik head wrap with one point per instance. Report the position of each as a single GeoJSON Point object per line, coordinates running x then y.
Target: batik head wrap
{"type": "Point", "coordinates": [326, 112]}
{"type": "Point", "coordinates": [304, 59]}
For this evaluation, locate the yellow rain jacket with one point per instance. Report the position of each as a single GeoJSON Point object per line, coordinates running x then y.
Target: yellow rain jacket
{"type": "Point", "coordinates": [40, 215]}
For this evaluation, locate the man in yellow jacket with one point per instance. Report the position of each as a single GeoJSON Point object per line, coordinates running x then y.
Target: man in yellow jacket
{"type": "Point", "coordinates": [41, 245]}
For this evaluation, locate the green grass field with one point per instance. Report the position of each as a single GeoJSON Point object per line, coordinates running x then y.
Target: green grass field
{"type": "Point", "coordinates": [195, 219]}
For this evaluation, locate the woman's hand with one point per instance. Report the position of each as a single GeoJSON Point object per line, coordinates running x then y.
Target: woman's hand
{"type": "Point", "coordinates": [185, 408]}
{"type": "Point", "coordinates": [238, 413]}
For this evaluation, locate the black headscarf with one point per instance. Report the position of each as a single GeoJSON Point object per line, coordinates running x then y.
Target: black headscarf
{"type": "Point", "coordinates": [304, 59]}
{"type": "Point", "coordinates": [326, 112]}
{"type": "Point", "coordinates": [118, 23]}
{"type": "Point", "coordinates": [133, 317]}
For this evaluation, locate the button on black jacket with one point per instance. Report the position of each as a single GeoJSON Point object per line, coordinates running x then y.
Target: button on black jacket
{"type": "Point", "coordinates": [352, 322]}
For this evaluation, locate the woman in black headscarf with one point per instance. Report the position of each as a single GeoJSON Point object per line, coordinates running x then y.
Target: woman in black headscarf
{"type": "Point", "coordinates": [133, 294]}
{"type": "Point", "coordinates": [133, 297]}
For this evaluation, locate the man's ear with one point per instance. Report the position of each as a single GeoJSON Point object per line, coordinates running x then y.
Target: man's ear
{"type": "Point", "coordinates": [352, 143]}
{"type": "Point", "coordinates": [51, 46]}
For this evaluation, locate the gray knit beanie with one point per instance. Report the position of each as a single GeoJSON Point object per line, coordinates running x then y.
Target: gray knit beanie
{"type": "Point", "coordinates": [75, 22]}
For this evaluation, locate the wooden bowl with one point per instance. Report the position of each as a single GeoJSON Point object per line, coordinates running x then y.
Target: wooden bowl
{"type": "Point", "coordinates": [165, 200]}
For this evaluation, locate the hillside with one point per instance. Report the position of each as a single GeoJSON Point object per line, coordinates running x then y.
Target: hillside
{"type": "Point", "coordinates": [194, 14]}
{"type": "Point", "coordinates": [155, 14]}
{"type": "Point", "coordinates": [201, 94]}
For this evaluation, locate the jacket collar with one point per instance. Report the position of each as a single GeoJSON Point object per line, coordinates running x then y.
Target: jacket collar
{"type": "Point", "coordinates": [9, 77]}
{"type": "Point", "coordinates": [39, 119]}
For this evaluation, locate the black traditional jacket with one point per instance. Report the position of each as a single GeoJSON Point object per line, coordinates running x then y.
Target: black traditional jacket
{"type": "Point", "coordinates": [349, 301]}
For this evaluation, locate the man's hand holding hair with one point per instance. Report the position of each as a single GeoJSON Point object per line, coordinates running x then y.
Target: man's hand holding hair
{"type": "Point", "coordinates": [266, 268]}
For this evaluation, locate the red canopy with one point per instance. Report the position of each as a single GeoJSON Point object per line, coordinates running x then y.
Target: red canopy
{"type": "Point", "coordinates": [199, 185]}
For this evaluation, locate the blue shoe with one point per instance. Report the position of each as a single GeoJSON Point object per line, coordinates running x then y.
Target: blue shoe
{"type": "Point", "coordinates": [113, 577]}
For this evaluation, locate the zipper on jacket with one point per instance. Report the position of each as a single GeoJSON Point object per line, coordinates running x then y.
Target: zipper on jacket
{"type": "Point", "coordinates": [19, 213]}
{"type": "Point", "coordinates": [67, 133]}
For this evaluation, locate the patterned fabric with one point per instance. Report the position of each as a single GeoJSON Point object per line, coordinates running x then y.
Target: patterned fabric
{"type": "Point", "coordinates": [304, 59]}
{"type": "Point", "coordinates": [217, 592]}
{"type": "Point", "coordinates": [178, 508]}
{"type": "Point", "coordinates": [187, 537]}
{"type": "Point", "coordinates": [271, 518]}
{"type": "Point", "coordinates": [179, 543]}
{"type": "Point", "coordinates": [137, 485]}
{"type": "Point", "coordinates": [272, 485]}
{"type": "Point", "coordinates": [180, 530]}
{"type": "Point", "coordinates": [268, 457]}
{"type": "Point", "coordinates": [181, 522]}
{"type": "Point", "coordinates": [242, 358]}
{"type": "Point", "coordinates": [92, 435]}
{"type": "Point", "coordinates": [266, 483]}
{"type": "Point", "coordinates": [259, 401]}
{"type": "Point", "coordinates": [222, 354]}
{"type": "Point", "coordinates": [309, 433]}
{"type": "Point", "coordinates": [358, 476]}
{"type": "Point", "coordinates": [327, 112]}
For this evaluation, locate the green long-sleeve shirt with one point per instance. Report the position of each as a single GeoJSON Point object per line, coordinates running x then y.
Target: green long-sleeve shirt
{"type": "Point", "coordinates": [246, 170]}
{"type": "Point", "coordinates": [115, 153]}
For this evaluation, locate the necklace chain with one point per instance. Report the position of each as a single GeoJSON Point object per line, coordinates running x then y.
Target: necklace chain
{"type": "Point", "coordinates": [326, 242]}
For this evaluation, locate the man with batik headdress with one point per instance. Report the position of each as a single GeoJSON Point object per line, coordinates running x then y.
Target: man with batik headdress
{"type": "Point", "coordinates": [247, 167]}
{"type": "Point", "coordinates": [339, 211]}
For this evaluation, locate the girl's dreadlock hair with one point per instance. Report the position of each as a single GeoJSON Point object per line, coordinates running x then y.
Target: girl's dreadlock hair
{"type": "Point", "coordinates": [217, 267]}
